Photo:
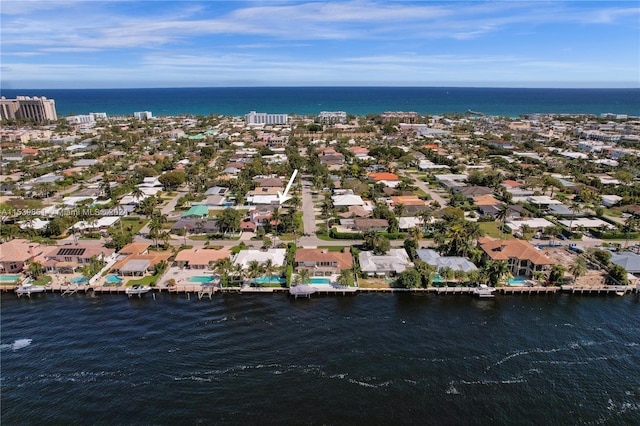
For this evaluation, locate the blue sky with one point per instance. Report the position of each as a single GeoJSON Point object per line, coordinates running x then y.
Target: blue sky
{"type": "Point", "coordinates": [89, 44]}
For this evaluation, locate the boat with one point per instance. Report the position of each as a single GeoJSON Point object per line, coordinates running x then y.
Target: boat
{"type": "Point", "coordinates": [302, 290]}
{"type": "Point", "coordinates": [137, 290]}
{"type": "Point", "coordinates": [484, 291]}
{"type": "Point", "coordinates": [29, 289]}
{"type": "Point", "coordinates": [620, 293]}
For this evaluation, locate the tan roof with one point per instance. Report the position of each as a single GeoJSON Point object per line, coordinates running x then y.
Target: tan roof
{"type": "Point", "coordinates": [407, 200]}
{"type": "Point", "coordinates": [153, 257]}
{"type": "Point", "coordinates": [200, 256]}
{"type": "Point", "coordinates": [517, 249]}
{"type": "Point", "coordinates": [266, 190]}
{"type": "Point", "coordinates": [134, 248]}
{"type": "Point", "coordinates": [486, 200]}
{"type": "Point", "coordinates": [383, 176]}
{"type": "Point", "coordinates": [19, 251]}
{"type": "Point", "coordinates": [343, 259]}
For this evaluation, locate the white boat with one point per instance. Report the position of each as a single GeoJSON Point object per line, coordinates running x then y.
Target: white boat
{"type": "Point", "coordinates": [484, 291]}
{"type": "Point", "coordinates": [620, 293]}
{"type": "Point", "coordinates": [137, 290]}
{"type": "Point", "coordinates": [29, 289]}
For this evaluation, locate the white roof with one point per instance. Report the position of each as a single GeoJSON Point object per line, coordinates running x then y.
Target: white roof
{"type": "Point", "coordinates": [72, 201]}
{"type": "Point", "coordinates": [105, 221]}
{"type": "Point", "coordinates": [263, 199]}
{"type": "Point", "coordinates": [347, 200]}
{"type": "Point", "coordinates": [36, 224]}
{"type": "Point", "coordinates": [244, 257]}
{"type": "Point", "coordinates": [533, 223]}
{"type": "Point", "coordinates": [396, 260]}
{"type": "Point", "coordinates": [587, 223]}
{"type": "Point", "coordinates": [542, 199]}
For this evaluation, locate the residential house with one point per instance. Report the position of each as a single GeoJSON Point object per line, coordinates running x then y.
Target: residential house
{"type": "Point", "coordinates": [67, 258]}
{"type": "Point", "coordinates": [363, 224]}
{"type": "Point", "coordinates": [195, 225]}
{"type": "Point", "coordinates": [331, 158]}
{"type": "Point", "coordinates": [199, 258]}
{"type": "Point", "coordinates": [522, 258]}
{"type": "Point", "coordinates": [321, 262]}
{"type": "Point", "coordinates": [393, 262]}
{"type": "Point", "coordinates": [15, 254]}
{"type": "Point", "coordinates": [245, 257]}
{"type": "Point", "coordinates": [388, 179]}
{"type": "Point", "coordinates": [456, 263]}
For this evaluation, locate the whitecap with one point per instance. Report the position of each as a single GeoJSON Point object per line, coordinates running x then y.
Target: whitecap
{"type": "Point", "coordinates": [19, 344]}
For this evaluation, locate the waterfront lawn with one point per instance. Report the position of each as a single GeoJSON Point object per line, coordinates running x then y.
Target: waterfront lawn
{"type": "Point", "coordinates": [43, 280]}
{"type": "Point", "coordinates": [149, 280]}
{"type": "Point", "coordinates": [373, 283]}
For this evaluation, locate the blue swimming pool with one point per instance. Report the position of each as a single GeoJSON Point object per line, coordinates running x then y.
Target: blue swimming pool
{"type": "Point", "coordinates": [202, 279]}
{"type": "Point", "coordinates": [79, 280]}
{"type": "Point", "coordinates": [9, 278]}
{"type": "Point", "coordinates": [320, 280]}
{"type": "Point", "coordinates": [517, 281]}
{"type": "Point", "coordinates": [113, 279]}
{"type": "Point", "coordinates": [436, 278]}
{"type": "Point", "coordinates": [269, 280]}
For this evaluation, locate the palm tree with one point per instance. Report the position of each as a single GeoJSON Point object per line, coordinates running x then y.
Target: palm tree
{"type": "Point", "coordinates": [270, 269]}
{"type": "Point", "coordinates": [399, 209]}
{"type": "Point", "coordinates": [254, 271]}
{"type": "Point", "coordinates": [345, 278]}
{"type": "Point", "coordinates": [415, 233]}
{"type": "Point", "coordinates": [446, 273]}
{"type": "Point", "coordinates": [557, 273]}
{"type": "Point", "coordinates": [303, 277]}
{"type": "Point", "coordinates": [578, 268]}
{"type": "Point", "coordinates": [575, 208]}
{"type": "Point", "coordinates": [425, 215]}
{"type": "Point", "coordinates": [222, 267]}
{"type": "Point", "coordinates": [35, 269]}
{"type": "Point", "coordinates": [275, 219]}
{"type": "Point", "coordinates": [137, 193]}
{"type": "Point", "coordinates": [496, 270]}
{"type": "Point", "coordinates": [473, 276]}
{"type": "Point", "coordinates": [502, 214]}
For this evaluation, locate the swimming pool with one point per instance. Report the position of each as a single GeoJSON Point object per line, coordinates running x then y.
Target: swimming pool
{"type": "Point", "coordinates": [78, 280]}
{"type": "Point", "coordinates": [201, 279]}
{"type": "Point", "coordinates": [113, 279]}
{"type": "Point", "coordinates": [269, 280]}
{"type": "Point", "coordinates": [320, 280]}
{"type": "Point", "coordinates": [9, 278]}
{"type": "Point", "coordinates": [436, 278]}
{"type": "Point", "coordinates": [517, 281]}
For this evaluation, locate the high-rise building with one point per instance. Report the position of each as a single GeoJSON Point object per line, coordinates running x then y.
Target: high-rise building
{"type": "Point", "coordinates": [35, 108]}
{"type": "Point", "coordinates": [330, 117]}
{"type": "Point", "coordinates": [264, 118]}
{"type": "Point", "coordinates": [143, 115]}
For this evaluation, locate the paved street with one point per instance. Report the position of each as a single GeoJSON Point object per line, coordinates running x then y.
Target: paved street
{"type": "Point", "coordinates": [308, 213]}
{"type": "Point", "coordinates": [423, 186]}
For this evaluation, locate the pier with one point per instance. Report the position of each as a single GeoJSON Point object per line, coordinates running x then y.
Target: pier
{"type": "Point", "coordinates": [202, 292]}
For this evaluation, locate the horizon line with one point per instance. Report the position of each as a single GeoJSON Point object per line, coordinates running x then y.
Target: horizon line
{"type": "Point", "coordinates": [331, 86]}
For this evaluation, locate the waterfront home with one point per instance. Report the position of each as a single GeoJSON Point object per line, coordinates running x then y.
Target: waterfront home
{"type": "Point", "coordinates": [628, 260]}
{"type": "Point", "coordinates": [139, 264]}
{"type": "Point", "coordinates": [393, 262]}
{"type": "Point", "coordinates": [522, 258]}
{"type": "Point", "coordinates": [322, 262]}
{"type": "Point", "coordinates": [66, 259]}
{"type": "Point", "coordinates": [199, 258]}
{"type": "Point", "coordinates": [245, 257]}
{"type": "Point", "coordinates": [456, 263]}
{"type": "Point", "coordinates": [15, 254]}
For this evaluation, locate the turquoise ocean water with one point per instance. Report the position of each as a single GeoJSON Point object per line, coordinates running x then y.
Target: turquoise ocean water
{"type": "Point", "coordinates": [353, 100]}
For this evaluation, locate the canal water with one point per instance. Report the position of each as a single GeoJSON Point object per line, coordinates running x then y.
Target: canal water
{"type": "Point", "coordinates": [364, 359]}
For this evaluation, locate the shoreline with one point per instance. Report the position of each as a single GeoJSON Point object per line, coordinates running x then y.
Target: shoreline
{"type": "Point", "coordinates": [201, 292]}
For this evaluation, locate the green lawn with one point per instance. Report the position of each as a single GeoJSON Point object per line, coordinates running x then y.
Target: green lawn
{"type": "Point", "coordinates": [43, 280]}
{"type": "Point", "coordinates": [491, 229]}
{"type": "Point", "coordinates": [136, 223]}
{"type": "Point", "coordinates": [333, 248]}
{"type": "Point", "coordinates": [148, 280]}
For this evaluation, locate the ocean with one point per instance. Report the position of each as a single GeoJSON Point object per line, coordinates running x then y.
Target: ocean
{"type": "Point", "coordinates": [368, 359]}
{"type": "Point", "coordinates": [360, 101]}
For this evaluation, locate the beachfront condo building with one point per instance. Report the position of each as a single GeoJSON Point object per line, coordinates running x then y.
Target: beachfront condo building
{"type": "Point", "coordinates": [143, 115]}
{"type": "Point", "coordinates": [331, 117]}
{"type": "Point", "coordinates": [35, 108]}
{"type": "Point", "coordinates": [265, 118]}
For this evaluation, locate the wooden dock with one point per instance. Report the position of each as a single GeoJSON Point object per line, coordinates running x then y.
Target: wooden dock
{"type": "Point", "coordinates": [620, 290]}
{"type": "Point", "coordinates": [528, 290]}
